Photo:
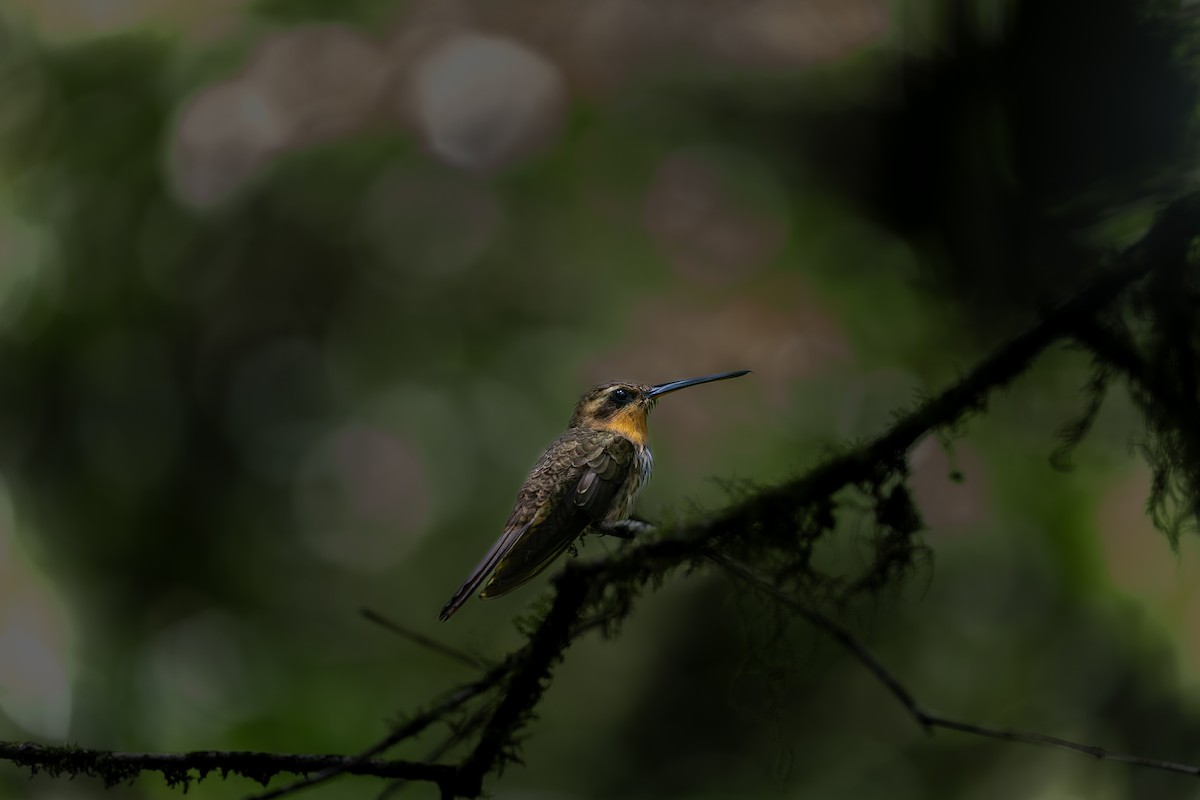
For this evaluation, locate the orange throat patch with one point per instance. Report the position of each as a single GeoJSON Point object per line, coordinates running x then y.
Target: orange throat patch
{"type": "Point", "coordinates": [630, 423]}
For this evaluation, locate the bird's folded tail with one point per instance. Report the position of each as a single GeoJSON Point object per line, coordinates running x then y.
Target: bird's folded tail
{"type": "Point", "coordinates": [481, 572]}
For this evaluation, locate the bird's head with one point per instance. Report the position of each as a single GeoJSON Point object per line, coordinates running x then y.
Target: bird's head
{"type": "Point", "coordinates": [622, 407]}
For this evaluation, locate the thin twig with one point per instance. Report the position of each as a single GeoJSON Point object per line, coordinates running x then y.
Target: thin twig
{"type": "Point", "coordinates": [834, 630]}
{"type": "Point", "coordinates": [927, 719]}
{"type": "Point", "coordinates": [406, 731]}
{"type": "Point", "coordinates": [423, 640]}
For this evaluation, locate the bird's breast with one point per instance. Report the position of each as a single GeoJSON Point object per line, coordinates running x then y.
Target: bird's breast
{"type": "Point", "coordinates": [639, 473]}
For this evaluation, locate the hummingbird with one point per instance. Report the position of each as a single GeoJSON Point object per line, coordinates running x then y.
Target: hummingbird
{"type": "Point", "coordinates": [586, 481]}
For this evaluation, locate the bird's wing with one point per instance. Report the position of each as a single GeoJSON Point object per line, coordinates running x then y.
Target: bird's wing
{"type": "Point", "coordinates": [540, 546]}
{"type": "Point", "coordinates": [503, 545]}
{"type": "Point", "coordinates": [587, 472]}
{"type": "Point", "coordinates": [605, 468]}
{"type": "Point", "coordinates": [573, 483]}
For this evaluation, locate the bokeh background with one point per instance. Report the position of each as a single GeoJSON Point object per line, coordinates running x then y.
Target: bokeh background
{"type": "Point", "coordinates": [292, 294]}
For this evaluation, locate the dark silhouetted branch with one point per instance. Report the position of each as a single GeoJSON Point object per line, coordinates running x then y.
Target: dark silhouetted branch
{"type": "Point", "coordinates": [179, 769]}
{"type": "Point", "coordinates": [600, 594]}
{"type": "Point", "coordinates": [424, 641]}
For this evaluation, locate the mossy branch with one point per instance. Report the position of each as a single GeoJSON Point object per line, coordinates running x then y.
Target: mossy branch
{"type": "Point", "coordinates": [771, 530]}
{"type": "Point", "coordinates": [180, 769]}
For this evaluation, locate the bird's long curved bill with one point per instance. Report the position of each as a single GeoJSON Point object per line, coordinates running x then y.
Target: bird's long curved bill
{"type": "Point", "coordinates": [666, 388]}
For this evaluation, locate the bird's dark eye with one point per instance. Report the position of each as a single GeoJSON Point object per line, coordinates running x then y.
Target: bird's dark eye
{"type": "Point", "coordinates": [621, 396]}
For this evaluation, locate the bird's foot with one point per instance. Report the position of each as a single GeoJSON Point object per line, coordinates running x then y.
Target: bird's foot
{"type": "Point", "coordinates": [624, 528]}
